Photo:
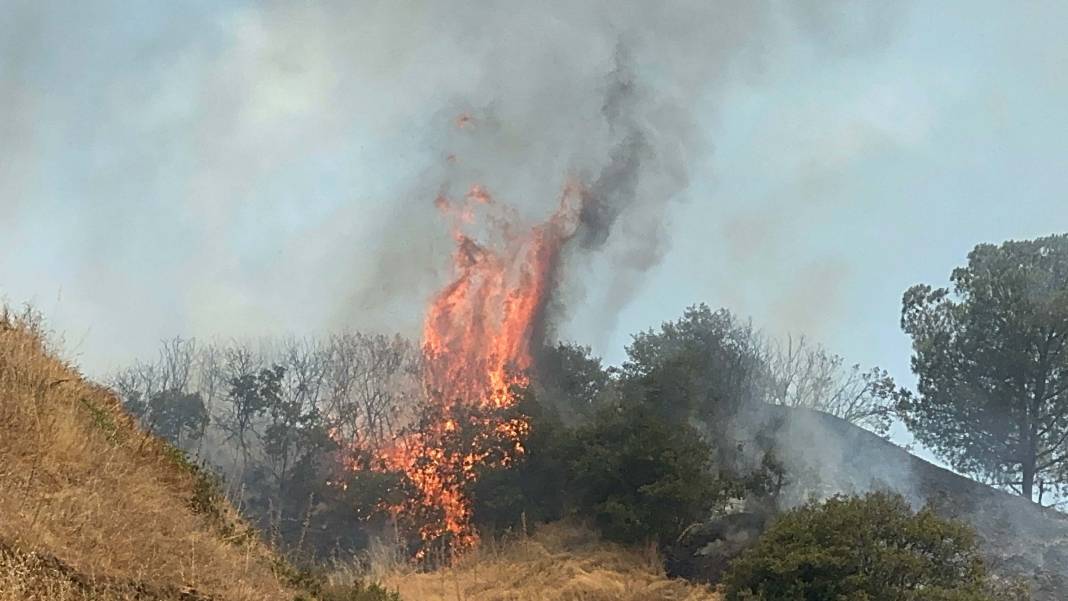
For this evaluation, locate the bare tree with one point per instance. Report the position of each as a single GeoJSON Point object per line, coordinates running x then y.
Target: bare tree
{"type": "Point", "coordinates": [370, 380]}
{"type": "Point", "coordinates": [210, 382]}
{"type": "Point", "coordinates": [296, 410]}
{"type": "Point", "coordinates": [159, 393]}
{"type": "Point", "coordinates": [279, 411]}
{"type": "Point", "coordinates": [176, 362]}
{"type": "Point", "coordinates": [802, 374]}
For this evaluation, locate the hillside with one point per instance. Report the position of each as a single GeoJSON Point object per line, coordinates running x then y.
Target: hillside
{"type": "Point", "coordinates": [95, 509]}
{"type": "Point", "coordinates": [1019, 538]}
{"type": "Point", "coordinates": [830, 455]}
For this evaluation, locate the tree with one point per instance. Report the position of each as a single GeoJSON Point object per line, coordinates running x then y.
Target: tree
{"type": "Point", "coordinates": [706, 365]}
{"type": "Point", "coordinates": [158, 394]}
{"type": "Point", "coordinates": [992, 360]}
{"type": "Point", "coordinates": [251, 394]}
{"type": "Point", "coordinates": [873, 548]}
{"type": "Point", "coordinates": [570, 379]}
{"type": "Point", "coordinates": [640, 477]}
{"type": "Point", "coordinates": [176, 416]}
{"type": "Point", "coordinates": [801, 374]}
{"type": "Point", "coordinates": [533, 486]}
{"type": "Point", "coordinates": [293, 419]}
{"type": "Point", "coordinates": [369, 383]}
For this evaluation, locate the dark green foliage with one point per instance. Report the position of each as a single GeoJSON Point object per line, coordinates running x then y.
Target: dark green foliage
{"type": "Point", "coordinates": [534, 487]}
{"type": "Point", "coordinates": [640, 477]}
{"type": "Point", "coordinates": [569, 385]}
{"type": "Point", "coordinates": [992, 361]}
{"type": "Point", "coordinates": [297, 432]}
{"type": "Point", "coordinates": [871, 548]}
{"type": "Point", "coordinates": [705, 365]}
{"type": "Point", "coordinates": [635, 466]}
{"type": "Point", "coordinates": [571, 380]}
{"type": "Point", "coordinates": [636, 476]}
{"type": "Point", "coordinates": [283, 420]}
{"type": "Point", "coordinates": [354, 506]}
{"type": "Point", "coordinates": [173, 414]}
{"type": "Point", "coordinates": [709, 369]}
{"type": "Point", "coordinates": [250, 396]}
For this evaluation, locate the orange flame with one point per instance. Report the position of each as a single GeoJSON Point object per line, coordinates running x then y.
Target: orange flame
{"type": "Point", "coordinates": [477, 338]}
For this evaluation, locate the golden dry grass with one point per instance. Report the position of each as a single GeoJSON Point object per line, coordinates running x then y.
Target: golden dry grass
{"type": "Point", "coordinates": [560, 562]}
{"type": "Point", "coordinates": [92, 508]}
{"type": "Point", "coordinates": [22, 579]}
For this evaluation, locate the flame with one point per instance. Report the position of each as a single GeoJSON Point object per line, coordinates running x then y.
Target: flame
{"type": "Point", "coordinates": [477, 337]}
{"type": "Point", "coordinates": [478, 330]}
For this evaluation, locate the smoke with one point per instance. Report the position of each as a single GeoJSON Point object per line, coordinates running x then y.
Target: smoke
{"type": "Point", "coordinates": [603, 93]}
{"type": "Point", "coordinates": [270, 168]}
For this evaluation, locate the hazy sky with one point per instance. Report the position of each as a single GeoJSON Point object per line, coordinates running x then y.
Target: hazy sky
{"type": "Point", "coordinates": [250, 168]}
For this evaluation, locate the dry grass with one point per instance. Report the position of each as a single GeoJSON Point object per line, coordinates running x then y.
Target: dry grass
{"type": "Point", "coordinates": [561, 562]}
{"type": "Point", "coordinates": [94, 509]}
{"type": "Point", "coordinates": [25, 579]}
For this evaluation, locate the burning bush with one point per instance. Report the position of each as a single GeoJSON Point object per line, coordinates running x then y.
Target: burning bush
{"type": "Point", "coordinates": [534, 488]}
{"type": "Point", "coordinates": [478, 335]}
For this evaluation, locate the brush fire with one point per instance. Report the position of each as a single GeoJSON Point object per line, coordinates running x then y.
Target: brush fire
{"type": "Point", "coordinates": [477, 340]}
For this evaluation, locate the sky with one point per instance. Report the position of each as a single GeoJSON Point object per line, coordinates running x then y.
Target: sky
{"type": "Point", "coordinates": [245, 169]}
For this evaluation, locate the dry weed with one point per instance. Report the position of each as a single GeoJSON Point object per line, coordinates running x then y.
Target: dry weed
{"type": "Point", "coordinates": [79, 482]}
{"type": "Point", "coordinates": [561, 562]}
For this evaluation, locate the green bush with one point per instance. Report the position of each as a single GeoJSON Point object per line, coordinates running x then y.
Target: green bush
{"type": "Point", "coordinates": [632, 473]}
{"type": "Point", "coordinates": [532, 488]}
{"type": "Point", "coordinates": [640, 477]}
{"type": "Point", "coordinates": [871, 548]}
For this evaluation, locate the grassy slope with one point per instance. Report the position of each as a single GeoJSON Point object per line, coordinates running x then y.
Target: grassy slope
{"type": "Point", "coordinates": [560, 562]}
{"type": "Point", "coordinates": [94, 509]}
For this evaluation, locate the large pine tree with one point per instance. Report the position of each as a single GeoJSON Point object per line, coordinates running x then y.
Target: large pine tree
{"type": "Point", "coordinates": [992, 360]}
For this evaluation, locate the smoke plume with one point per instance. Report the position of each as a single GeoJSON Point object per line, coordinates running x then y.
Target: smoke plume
{"type": "Point", "coordinates": [602, 94]}
{"type": "Point", "coordinates": [260, 169]}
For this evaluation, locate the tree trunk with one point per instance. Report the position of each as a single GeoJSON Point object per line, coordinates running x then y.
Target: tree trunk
{"type": "Point", "coordinates": [1030, 455]}
{"type": "Point", "coordinates": [1028, 487]}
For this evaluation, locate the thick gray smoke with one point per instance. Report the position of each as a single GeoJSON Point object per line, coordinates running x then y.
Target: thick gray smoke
{"type": "Point", "coordinates": [270, 168]}
{"type": "Point", "coordinates": [605, 93]}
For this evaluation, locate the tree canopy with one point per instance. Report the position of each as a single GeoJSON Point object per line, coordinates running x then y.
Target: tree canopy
{"type": "Point", "coordinates": [992, 360]}
{"type": "Point", "coordinates": [705, 364]}
{"type": "Point", "coordinates": [640, 477]}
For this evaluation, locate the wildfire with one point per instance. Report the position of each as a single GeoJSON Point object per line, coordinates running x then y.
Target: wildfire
{"type": "Point", "coordinates": [478, 329]}
{"type": "Point", "coordinates": [477, 338]}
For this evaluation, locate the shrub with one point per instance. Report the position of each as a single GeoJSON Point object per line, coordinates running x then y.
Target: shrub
{"type": "Point", "coordinates": [871, 548]}
{"type": "Point", "coordinates": [533, 487]}
{"type": "Point", "coordinates": [640, 477]}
